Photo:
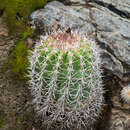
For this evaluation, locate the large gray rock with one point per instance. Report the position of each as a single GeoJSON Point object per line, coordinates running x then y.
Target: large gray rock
{"type": "Point", "coordinates": [115, 32]}
{"type": "Point", "coordinates": [73, 17]}
{"type": "Point", "coordinates": [122, 7]}
{"type": "Point", "coordinates": [111, 28]}
{"type": "Point", "coordinates": [78, 1]}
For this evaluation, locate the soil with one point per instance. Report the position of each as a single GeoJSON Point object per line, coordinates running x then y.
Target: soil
{"type": "Point", "coordinates": [16, 111]}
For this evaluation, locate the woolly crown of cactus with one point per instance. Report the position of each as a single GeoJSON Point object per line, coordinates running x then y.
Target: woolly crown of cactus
{"type": "Point", "coordinates": [65, 80]}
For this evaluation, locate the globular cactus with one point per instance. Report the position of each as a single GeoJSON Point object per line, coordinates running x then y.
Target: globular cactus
{"type": "Point", "coordinates": [125, 94]}
{"type": "Point", "coordinates": [65, 79]}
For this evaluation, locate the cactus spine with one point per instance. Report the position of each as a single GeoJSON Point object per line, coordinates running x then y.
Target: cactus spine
{"type": "Point", "coordinates": [65, 80]}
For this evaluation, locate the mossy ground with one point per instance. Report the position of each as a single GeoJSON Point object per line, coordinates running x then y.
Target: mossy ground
{"type": "Point", "coordinates": [2, 122]}
{"type": "Point", "coordinates": [18, 60]}
{"type": "Point", "coordinates": [16, 13]}
{"type": "Point", "coordinates": [16, 16]}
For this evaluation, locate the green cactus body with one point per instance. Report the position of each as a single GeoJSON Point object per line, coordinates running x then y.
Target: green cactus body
{"type": "Point", "coordinates": [66, 81]}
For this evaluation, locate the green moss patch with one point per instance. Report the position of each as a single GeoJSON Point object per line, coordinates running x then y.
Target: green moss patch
{"type": "Point", "coordinates": [16, 13]}
{"type": "Point", "coordinates": [2, 122]}
{"type": "Point", "coordinates": [18, 59]}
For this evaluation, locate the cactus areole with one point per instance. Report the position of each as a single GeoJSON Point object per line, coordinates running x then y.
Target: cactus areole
{"type": "Point", "coordinates": [65, 80]}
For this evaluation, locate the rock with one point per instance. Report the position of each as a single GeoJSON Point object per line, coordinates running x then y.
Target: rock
{"type": "Point", "coordinates": [115, 32]}
{"type": "Point", "coordinates": [29, 42]}
{"type": "Point", "coordinates": [120, 116]}
{"type": "Point", "coordinates": [112, 64]}
{"type": "Point", "coordinates": [121, 7]}
{"type": "Point", "coordinates": [69, 2]}
{"type": "Point", "coordinates": [56, 12]}
{"type": "Point", "coordinates": [78, 1]}
{"type": "Point", "coordinates": [66, 2]}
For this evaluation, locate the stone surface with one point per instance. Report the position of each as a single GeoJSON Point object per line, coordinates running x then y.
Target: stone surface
{"type": "Point", "coordinates": [120, 116]}
{"type": "Point", "coordinates": [56, 12]}
{"type": "Point", "coordinates": [111, 63]}
{"type": "Point", "coordinates": [114, 31]}
{"type": "Point", "coordinates": [119, 5]}
{"type": "Point", "coordinates": [78, 1]}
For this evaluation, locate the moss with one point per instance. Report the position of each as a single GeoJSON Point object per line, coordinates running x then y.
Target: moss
{"type": "Point", "coordinates": [18, 59]}
{"type": "Point", "coordinates": [2, 122]}
{"type": "Point", "coordinates": [16, 13]}
{"type": "Point", "coordinates": [16, 16]}
{"type": "Point", "coordinates": [28, 32]}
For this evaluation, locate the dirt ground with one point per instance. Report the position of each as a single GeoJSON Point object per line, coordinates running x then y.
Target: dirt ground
{"type": "Point", "coordinates": [16, 111]}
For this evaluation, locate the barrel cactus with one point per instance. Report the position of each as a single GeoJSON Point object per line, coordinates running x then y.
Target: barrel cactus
{"type": "Point", "coordinates": [65, 79]}
{"type": "Point", "coordinates": [125, 94]}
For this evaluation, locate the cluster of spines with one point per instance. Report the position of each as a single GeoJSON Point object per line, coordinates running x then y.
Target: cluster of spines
{"type": "Point", "coordinates": [58, 88]}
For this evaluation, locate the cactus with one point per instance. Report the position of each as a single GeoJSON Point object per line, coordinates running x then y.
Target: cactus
{"type": "Point", "coordinates": [65, 80]}
{"type": "Point", "coordinates": [125, 94]}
